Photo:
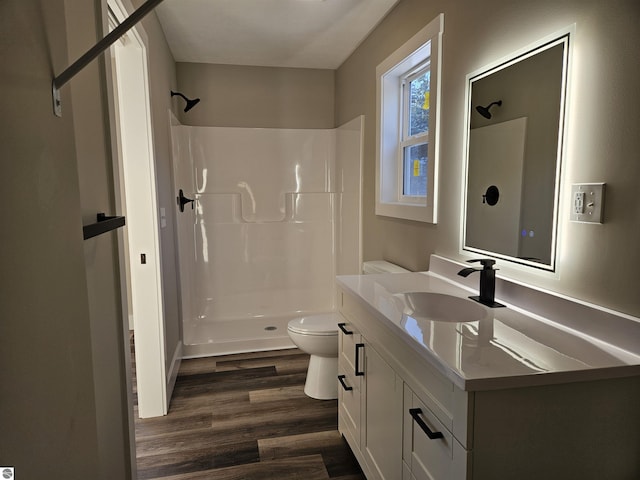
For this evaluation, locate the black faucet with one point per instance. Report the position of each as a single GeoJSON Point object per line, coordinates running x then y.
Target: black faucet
{"type": "Point", "coordinates": [487, 281]}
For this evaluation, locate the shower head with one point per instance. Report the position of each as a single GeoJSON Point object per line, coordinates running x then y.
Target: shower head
{"type": "Point", "coordinates": [190, 103]}
{"type": "Point", "coordinates": [484, 111]}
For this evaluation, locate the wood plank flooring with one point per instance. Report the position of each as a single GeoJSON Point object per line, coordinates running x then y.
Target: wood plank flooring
{"type": "Point", "coordinates": [244, 417]}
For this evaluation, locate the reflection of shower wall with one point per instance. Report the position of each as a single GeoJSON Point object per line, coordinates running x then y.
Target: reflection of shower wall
{"type": "Point", "coordinates": [276, 217]}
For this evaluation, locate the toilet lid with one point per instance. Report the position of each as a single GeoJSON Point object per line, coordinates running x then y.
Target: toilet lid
{"type": "Point", "coordinates": [320, 324]}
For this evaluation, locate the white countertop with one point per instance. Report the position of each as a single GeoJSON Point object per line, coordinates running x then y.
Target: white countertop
{"type": "Point", "coordinates": [510, 348]}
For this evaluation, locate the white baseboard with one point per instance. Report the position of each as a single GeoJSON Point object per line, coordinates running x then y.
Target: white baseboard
{"type": "Point", "coordinates": [173, 371]}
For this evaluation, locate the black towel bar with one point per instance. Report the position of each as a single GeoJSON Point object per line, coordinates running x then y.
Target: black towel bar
{"type": "Point", "coordinates": [103, 224]}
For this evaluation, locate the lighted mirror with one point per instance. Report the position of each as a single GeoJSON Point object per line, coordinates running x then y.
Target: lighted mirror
{"type": "Point", "coordinates": [515, 124]}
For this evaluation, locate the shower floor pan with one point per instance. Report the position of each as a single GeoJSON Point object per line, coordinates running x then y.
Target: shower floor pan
{"type": "Point", "coordinates": [206, 338]}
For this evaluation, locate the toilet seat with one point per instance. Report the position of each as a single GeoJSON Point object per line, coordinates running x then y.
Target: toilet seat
{"type": "Point", "coordinates": [323, 324]}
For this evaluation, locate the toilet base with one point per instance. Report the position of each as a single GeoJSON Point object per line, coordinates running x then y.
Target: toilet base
{"type": "Point", "coordinates": [322, 378]}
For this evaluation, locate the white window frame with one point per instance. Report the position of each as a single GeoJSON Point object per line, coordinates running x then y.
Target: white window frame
{"type": "Point", "coordinates": [426, 45]}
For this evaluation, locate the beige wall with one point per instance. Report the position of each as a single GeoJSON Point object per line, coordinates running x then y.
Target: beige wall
{"type": "Point", "coordinates": [597, 263]}
{"type": "Point", "coordinates": [267, 97]}
{"type": "Point", "coordinates": [95, 171]}
{"type": "Point", "coordinates": [98, 194]}
{"type": "Point", "coordinates": [63, 401]}
{"type": "Point", "coordinates": [48, 409]}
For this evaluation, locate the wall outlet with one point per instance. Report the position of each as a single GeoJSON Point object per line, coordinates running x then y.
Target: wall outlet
{"type": "Point", "coordinates": [578, 203]}
{"type": "Point", "coordinates": [587, 202]}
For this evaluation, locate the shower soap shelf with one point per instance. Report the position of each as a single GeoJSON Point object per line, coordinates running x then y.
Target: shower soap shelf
{"type": "Point", "coordinates": [103, 224]}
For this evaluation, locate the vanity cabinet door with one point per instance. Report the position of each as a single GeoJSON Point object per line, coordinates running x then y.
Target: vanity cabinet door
{"type": "Point", "coordinates": [349, 388]}
{"type": "Point", "coordinates": [382, 431]}
{"type": "Point", "coordinates": [406, 472]}
{"type": "Point", "coordinates": [429, 449]}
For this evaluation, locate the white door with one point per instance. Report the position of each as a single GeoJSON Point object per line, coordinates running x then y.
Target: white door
{"type": "Point", "coordinates": [138, 176]}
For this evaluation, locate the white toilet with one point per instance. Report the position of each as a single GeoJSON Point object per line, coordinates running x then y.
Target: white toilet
{"type": "Point", "coordinates": [317, 335]}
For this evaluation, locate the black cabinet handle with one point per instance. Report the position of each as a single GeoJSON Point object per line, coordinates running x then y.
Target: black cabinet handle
{"type": "Point", "coordinates": [344, 385]}
{"type": "Point", "coordinates": [358, 347]}
{"type": "Point", "coordinates": [342, 326]}
{"type": "Point", "coordinates": [415, 413]}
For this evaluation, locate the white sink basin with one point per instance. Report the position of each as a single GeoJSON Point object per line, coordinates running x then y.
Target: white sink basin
{"type": "Point", "coordinates": [439, 307]}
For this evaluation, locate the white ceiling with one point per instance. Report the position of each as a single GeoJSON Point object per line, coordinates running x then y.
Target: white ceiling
{"type": "Point", "coordinates": [276, 33]}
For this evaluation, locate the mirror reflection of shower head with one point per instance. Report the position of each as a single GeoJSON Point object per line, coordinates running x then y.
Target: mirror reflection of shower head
{"type": "Point", "coordinates": [190, 103]}
{"type": "Point", "coordinates": [484, 111]}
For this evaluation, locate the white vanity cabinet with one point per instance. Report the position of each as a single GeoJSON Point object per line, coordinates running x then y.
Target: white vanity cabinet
{"type": "Point", "coordinates": [549, 428]}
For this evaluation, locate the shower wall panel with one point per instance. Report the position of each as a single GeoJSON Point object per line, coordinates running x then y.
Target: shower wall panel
{"type": "Point", "coordinates": [276, 216]}
{"type": "Point", "coordinates": [247, 269]}
{"type": "Point", "coordinates": [262, 165]}
{"type": "Point", "coordinates": [183, 179]}
{"type": "Point", "coordinates": [348, 209]}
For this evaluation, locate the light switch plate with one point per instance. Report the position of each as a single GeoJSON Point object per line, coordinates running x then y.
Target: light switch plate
{"type": "Point", "coordinates": [587, 202]}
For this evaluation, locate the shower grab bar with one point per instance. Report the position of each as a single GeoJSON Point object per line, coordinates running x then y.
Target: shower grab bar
{"type": "Point", "coordinates": [96, 50]}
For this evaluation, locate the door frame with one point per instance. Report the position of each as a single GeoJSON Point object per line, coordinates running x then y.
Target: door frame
{"type": "Point", "coordinates": [135, 185]}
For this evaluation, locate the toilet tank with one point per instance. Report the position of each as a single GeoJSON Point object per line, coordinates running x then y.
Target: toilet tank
{"type": "Point", "coordinates": [382, 266]}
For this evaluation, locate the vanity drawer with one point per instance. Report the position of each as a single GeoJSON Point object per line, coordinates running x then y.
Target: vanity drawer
{"type": "Point", "coordinates": [429, 449]}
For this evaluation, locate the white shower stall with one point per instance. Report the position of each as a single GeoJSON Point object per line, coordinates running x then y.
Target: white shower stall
{"type": "Point", "coordinates": [276, 215]}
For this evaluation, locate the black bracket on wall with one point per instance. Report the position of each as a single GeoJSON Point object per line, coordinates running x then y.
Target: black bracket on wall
{"type": "Point", "coordinates": [103, 224]}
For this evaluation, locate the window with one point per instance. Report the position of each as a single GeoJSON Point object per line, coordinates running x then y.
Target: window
{"type": "Point", "coordinates": [415, 131]}
{"type": "Point", "coordinates": [407, 89]}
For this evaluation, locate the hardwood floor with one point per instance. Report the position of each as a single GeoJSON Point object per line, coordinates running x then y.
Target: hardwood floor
{"type": "Point", "coordinates": [244, 417]}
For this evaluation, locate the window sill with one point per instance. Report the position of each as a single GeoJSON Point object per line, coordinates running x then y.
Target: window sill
{"type": "Point", "coordinates": [419, 212]}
